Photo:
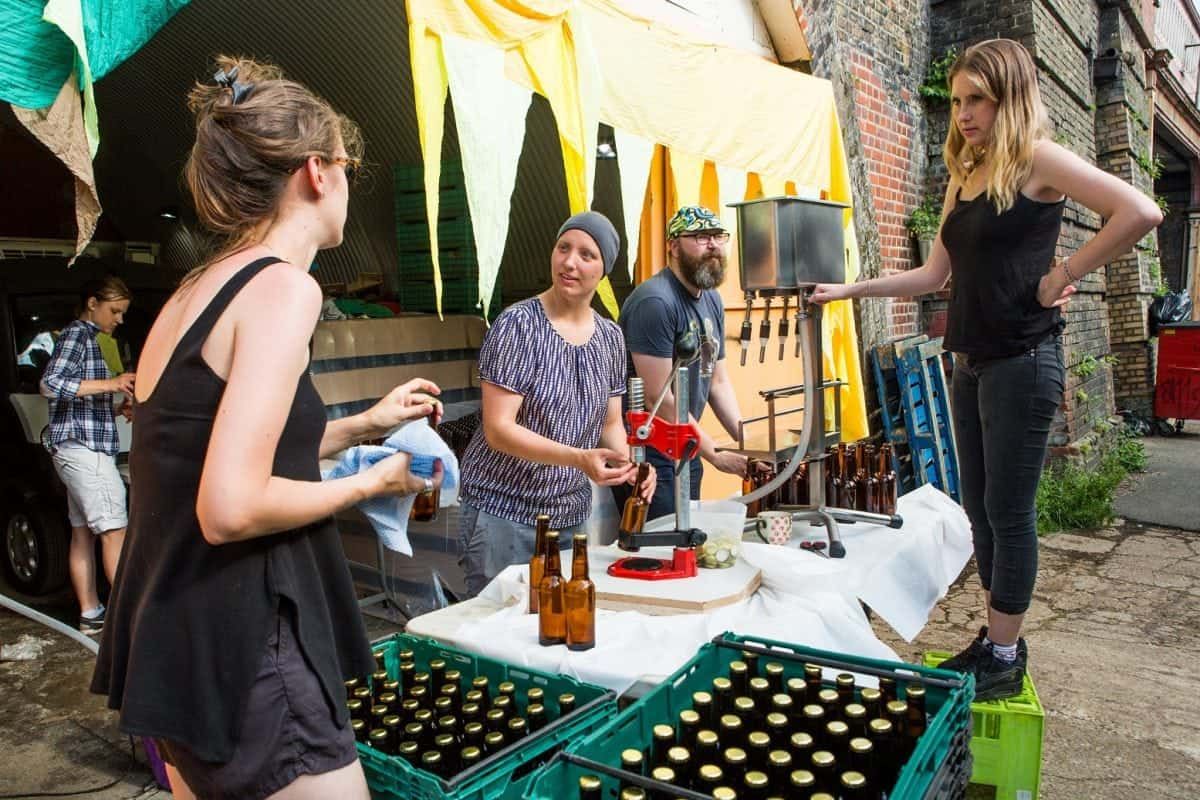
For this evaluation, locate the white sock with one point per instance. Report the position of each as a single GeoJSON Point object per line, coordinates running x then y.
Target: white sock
{"type": "Point", "coordinates": [1005, 652]}
{"type": "Point", "coordinates": [95, 612]}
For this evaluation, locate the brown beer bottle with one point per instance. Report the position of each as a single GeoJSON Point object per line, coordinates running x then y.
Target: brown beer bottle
{"type": "Point", "coordinates": [663, 740]}
{"type": "Point", "coordinates": [848, 469]}
{"type": "Point", "coordinates": [833, 478]}
{"type": "Point", "coordinates": [749, 486]}
{"type": "Point", "coordinates": [874, 484]}
{"type": "Point", "coordinates": [800, 483]}
{"type": "Point", "coordinates": [537, 562]}
{"type": "Point", "coordinates": [552, 617]}
{"type": "Point", "coordinates": [425, 506]}
{"type": "Point", "coordinates": [632, 760]}
{"type": "Point", "coordinates": [887, 479]}
{"type": "Point", "coordinates": [633, 516]}
{"type": "Point", "coordinates": [915, 720]}
{"type": "Point", "coordinates": [589, 787]}
{"type": "Point", "coordinates": [579, 597]}
{"type": "Point", "coordinates": [872, 701]}
{"type": "Point", "coordinates": [863, 478]}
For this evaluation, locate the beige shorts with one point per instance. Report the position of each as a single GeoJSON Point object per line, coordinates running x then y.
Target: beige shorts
{"type": "Point", "coordinates": [95, 491]}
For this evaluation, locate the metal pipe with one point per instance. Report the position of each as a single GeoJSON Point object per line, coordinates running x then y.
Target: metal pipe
{"type": "Point", "coordinates": [637, 402]}
{"type": "Point", "coordinates": [51, 623]}
{"type": "Point", "coordinates": [683, 468]}
{"type": "Point", "coordinates": [812, 396]}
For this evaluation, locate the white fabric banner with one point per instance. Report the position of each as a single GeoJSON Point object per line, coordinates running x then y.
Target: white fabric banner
{"type": "Point", "coordinates": [731, 188]}
{"type": "Point", "coordinates": [489, 111]}
{"type": "Point", "coordinates": [634, 157]}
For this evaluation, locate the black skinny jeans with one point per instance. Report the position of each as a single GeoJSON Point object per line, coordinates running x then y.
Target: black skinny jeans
{"type": "Point", "coordinates": [1003, 409]}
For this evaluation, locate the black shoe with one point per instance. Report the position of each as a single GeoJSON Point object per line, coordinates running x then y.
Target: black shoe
{"type": "Point", "coordinates": [967, 659]}
{"type": "Point", "coordinates": [91, 625]}
{"type": "Point", "coordinates": [997, 680]}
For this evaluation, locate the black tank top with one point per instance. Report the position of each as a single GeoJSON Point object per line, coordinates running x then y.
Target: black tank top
{"type": "Point", "coordinates": [997, 261]}
{"type": "Point", "coordinates": [188, 622]}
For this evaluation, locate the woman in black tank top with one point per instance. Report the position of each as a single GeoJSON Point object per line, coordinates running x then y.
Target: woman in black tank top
{"type": "Point", "coordinates": [999, 236]}
{"type": "Point", "coordinates": [233, 620]}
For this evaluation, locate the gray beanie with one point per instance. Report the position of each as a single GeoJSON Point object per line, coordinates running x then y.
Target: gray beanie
{"type": "Point", "coordinates": [597, 226]}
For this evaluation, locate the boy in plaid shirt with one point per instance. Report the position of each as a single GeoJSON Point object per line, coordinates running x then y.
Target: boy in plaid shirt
{"type": "Point", "coordinates": [83, 439]}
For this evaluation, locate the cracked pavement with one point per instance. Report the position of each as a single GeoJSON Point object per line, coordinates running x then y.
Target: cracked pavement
{"type": "Point", "coordinates": [1114, 636]}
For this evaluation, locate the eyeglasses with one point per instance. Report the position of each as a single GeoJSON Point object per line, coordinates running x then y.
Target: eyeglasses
{"type": "Point", "coordinates": [351, 166]}
{"type": "Point", "coordinates": [705, 239]}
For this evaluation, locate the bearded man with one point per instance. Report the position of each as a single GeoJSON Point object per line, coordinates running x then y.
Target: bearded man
{"type": "Point", "coordinates": [681, 297]}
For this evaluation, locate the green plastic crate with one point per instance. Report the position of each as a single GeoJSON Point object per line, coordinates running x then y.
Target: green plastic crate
{"type": "Point", "coordinates": [1007, 741]}
{"type": "Point", "coordinates": [459, 296]}
{"type": "Point", "coordinates": [452, 205]}
{"type": "Point", "coordinates": [414, 174]}
{"type": "Point", "coordinates": [455, 265]}
{"type": "Point", "coordinates": [453, 233]}
{"type": "Point", "coordinates": [504, 774]}
{"type": "Point", "coordinates": [938, 768]}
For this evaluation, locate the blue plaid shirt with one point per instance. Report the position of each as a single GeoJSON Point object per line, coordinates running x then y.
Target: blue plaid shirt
{"type": "Point", "coordinates": [88, 420]}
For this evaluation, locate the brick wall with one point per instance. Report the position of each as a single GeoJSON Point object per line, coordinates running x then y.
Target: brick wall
{"type": "Point", "coordinates": [876, 54]}
{"type": "Point", "coordinates": [1123, 148]}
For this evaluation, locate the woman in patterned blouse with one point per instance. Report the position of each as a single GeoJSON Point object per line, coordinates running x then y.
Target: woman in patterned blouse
{"type": "Point", "coordinates": [553, 375]}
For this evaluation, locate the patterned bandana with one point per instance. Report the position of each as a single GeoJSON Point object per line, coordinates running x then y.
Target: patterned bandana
{"type": "Point", "coordinates": [693, 219]}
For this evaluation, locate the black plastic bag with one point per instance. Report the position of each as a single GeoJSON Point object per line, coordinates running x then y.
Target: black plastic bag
{"type": "Point", "coordinates": [1171, 307]}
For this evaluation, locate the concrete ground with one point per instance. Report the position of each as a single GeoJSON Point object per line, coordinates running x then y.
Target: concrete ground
{"type": "Point", "coordinates": [1113, 635]}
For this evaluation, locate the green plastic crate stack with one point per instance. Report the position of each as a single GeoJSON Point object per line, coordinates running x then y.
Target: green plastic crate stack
{"type": "Point", "coordinates": [1006, 741]}
{"type": "Point", "coordinates": [937, 769]}
{"type": "Point", "coordinates": [504, 773]}
{"type": "Point", "coordinates": [458, 260]}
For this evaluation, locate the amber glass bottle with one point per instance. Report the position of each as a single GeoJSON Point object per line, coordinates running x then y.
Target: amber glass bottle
{"type": "Point", "coordinates": [537, 562]}
{"type": "Point", "coordinates": [842, 499]}
{"type": "Point", "coordinates": [749, 486]}
{"type": "Point", "coordinates": [580, 599]}
{"type": "Point", "coordinates": [552, 617]}
{"type": "Point", "coordinates": [425, 506]}
{"type": "Point", "coordinates": [887, 480]}
{"type": "Point", "coordinates": [633, 517]}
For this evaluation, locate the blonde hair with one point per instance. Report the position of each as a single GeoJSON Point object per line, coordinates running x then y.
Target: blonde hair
{"type": "Point", "coordinates": [1004, 73]}
{"type": "Point", "coordinates": [250, 137]}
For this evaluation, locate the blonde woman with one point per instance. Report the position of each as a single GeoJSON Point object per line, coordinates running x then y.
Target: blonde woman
{"type": "Point", "coordinates": [1001, 220]}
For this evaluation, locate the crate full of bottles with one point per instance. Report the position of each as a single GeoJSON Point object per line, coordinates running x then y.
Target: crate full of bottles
{"type": "Point", "coordinates": [434, 722]}
{"type": "Point", "coordinates": [756, 719]}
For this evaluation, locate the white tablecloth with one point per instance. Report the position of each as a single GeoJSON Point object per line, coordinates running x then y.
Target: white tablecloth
{"type": "Point", "coordinates": [805, 598]}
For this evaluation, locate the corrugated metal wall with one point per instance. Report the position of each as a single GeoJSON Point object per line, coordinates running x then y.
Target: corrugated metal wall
{"type": "Point", "coordinates": [355, 54]}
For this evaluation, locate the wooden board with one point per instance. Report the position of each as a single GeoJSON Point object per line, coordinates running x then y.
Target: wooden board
{"type": "Point", "coordinates": [710, 589]}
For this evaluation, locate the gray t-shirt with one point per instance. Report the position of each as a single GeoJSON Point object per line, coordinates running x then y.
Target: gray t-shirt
{"type": "Point", "coordinates": [661, 308]}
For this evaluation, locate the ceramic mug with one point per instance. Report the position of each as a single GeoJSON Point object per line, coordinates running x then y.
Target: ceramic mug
{"type": "Point", "coordinates": [775, 527]}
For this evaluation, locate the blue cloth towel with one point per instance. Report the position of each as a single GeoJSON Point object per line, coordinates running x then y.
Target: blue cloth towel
{"type": "Point", "coordinates": [389, 515]}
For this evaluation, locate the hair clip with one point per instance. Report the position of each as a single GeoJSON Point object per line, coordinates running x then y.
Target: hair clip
{"type": "Point", "coordinates": [228, 80]}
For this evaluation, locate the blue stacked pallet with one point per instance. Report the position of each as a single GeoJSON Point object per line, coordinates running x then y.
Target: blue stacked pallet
{"type": "Point", "coordinates": [504, 774]}
{"type": "Point", "coordinates": [938, 769]}
{"type": "Point", "coordinates": [914, 398]}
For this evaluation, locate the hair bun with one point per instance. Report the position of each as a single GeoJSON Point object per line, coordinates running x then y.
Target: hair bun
{"type": "Point", "coordinates": [205, 97]}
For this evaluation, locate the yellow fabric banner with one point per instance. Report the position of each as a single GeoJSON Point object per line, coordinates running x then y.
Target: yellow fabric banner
{"type": "Point", "coordinates": [591, 60]}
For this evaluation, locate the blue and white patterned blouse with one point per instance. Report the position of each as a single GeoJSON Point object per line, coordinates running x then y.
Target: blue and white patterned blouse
{"type": "Point", "coordinates": [566, 389]}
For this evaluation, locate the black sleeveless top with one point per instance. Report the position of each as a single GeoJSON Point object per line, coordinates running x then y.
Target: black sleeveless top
{"type": "Point", "coordinates": [188, 622]}
{"type": "Point", "coordinates": [997, 261]}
